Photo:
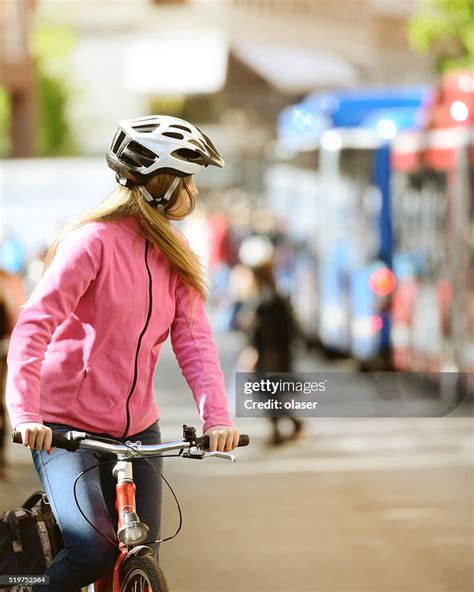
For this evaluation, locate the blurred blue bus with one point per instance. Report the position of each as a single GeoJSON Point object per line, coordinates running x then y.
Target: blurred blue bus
{"type": "Point", "coordinates": [331, 183]}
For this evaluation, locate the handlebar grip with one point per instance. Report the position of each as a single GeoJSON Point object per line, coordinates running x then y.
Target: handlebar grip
{"type": "Point", "coordinates": [59, 441]}
{"type": "Point", "coordinates": [243, 441]}
{"type": "Point", "coordinates": [16, 437]}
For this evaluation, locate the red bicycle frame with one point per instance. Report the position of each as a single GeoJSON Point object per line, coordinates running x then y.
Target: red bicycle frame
{"type": "Point", "coordinates": [125, 503]}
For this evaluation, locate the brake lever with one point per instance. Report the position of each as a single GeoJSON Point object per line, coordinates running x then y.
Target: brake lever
{"type": "Point", "coordinates": [198, 453]}
{"type": "Point", "coordinates": [193, 452]}
{"type": "Point", "coordinates": [224, 455]}
{"type": "Point", "coordinates": [74, 435]}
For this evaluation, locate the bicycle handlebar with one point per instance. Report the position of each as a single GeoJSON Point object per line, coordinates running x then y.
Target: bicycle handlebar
{"type": "Point", "coordinates": [243, 441]}
{"type": "Point", "coordinates": [59, 441]}
{"type": "Point", "coordinates": [72, 440]}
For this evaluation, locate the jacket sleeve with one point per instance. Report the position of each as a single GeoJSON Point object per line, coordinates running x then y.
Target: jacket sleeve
{"type": "Point", "coordinates": [75, 265]}
{"type": "Point", "coordinates": [196, 352]}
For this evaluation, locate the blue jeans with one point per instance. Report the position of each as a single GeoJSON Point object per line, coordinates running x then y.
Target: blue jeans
{"type": "Point", "coordinates": [87, 556]}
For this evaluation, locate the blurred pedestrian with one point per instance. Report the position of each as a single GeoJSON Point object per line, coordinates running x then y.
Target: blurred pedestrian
{"type": "Point", "coordinates": [269, 321]}
{"type": "Point", "coordinates": [11, 299]}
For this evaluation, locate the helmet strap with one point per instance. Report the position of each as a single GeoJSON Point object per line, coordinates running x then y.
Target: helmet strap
{"type": "Point", "coordinates": [158, 203]}
{"type": "Point", "coordinates": [128, 183]}
{"type": "Point", "coordinates": [171, 189]}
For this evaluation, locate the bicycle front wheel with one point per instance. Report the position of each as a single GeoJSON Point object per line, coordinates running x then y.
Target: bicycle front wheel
{"type": "Point", "coordinates": [143, 574]}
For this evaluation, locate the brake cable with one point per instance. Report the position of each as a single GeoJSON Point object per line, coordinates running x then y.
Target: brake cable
{"type": "Point", "coordinates": [135, 450]}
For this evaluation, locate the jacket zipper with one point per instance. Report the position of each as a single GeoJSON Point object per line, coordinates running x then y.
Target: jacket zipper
{"type": "Point", "coordinates": [137, 351]}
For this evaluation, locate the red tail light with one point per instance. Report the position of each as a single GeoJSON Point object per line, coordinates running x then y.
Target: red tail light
{"type": "Point", "coordinates": [382, 281]}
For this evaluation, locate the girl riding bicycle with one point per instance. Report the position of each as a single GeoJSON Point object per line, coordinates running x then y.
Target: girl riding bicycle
{"type": "Point", "coordinates": [84, 350]}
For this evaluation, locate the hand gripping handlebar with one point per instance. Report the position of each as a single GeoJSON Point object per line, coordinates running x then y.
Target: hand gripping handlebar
{"type": "Point", "coordinates": [71, 444]}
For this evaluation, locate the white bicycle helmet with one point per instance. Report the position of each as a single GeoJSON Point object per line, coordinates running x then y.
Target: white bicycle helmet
{"type": "Point", "coordinates": [146, 146]}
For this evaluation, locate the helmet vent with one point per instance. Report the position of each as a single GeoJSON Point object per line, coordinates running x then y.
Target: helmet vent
{"type": "Point", "coordinates": [146, 128]}
{"type": "Point", "coordinates": [198, 144]}
{"type": "Point", "coordinates": [186, 154]}
{"type": "Point", "coordinates": [210, 145]}
{"type": "Point", "coordinates": [130, 161]}
{"type": "Point", "coordinates": [145, 156]}
{"type": "Point", "coordinates": [175, 135]}
{"type": "Point", "coordinates": [181, 127]}
{"type": "Point", "coordinates": [118, 142]}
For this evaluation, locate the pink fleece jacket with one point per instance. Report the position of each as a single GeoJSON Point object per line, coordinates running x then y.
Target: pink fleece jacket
{"type": "Point", "coordinates": [85, 347]}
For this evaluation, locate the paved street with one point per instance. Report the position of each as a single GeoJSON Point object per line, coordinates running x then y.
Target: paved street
{"type": "Point", "coordinates": [355, 505]}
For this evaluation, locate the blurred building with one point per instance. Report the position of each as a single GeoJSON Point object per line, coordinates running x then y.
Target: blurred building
{"type": "Point", "coordinates": [17, 72]}
{"type": "Point", "coordinates": [291, 46]}
{"type": "Point", "coordinates": [369, 35]}
{"type": "Point", "coordinates": [229, 64]}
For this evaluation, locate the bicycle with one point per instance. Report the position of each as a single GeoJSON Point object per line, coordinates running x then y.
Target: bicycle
{"type": "Point", "coordinates": [135, 568]}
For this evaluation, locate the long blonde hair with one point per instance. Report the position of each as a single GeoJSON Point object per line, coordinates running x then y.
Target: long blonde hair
{"type": "Point", "coordinates": [155, 226]}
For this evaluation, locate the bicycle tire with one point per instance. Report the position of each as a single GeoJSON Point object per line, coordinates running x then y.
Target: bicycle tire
{"type": "Point", "coordinates": [147, 569]}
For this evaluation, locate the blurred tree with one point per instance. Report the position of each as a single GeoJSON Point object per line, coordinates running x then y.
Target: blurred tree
{"type": "Point", "coordinates": [5, 120]}
{"type": "Point", "coordinates": [444, 28]}
{"type": "Point", "coordinates": [51, 47]}
{"type": "Point", "coordinates": [169, 105]}
{"type": "Point", "coordinates": [54, 136]}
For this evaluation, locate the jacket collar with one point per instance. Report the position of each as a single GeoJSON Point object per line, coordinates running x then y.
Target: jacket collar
{"type": "Point", "coordinates": [130, 224]}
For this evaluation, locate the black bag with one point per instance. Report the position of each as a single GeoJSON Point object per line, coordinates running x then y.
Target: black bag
{"type": "Point", "coordinates": [29, 539]}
